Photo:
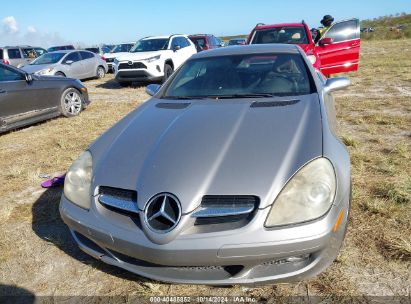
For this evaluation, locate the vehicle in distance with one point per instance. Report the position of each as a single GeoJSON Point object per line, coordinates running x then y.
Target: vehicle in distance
{"type": "Point", "coordinates": [338, 50]}
{"type": "Point", "coordinates": [237, 41]}
{"type": "Point", "coordinates": [115, 52]}
{"type": "Point", "coordinates": [205, 42]}
{"type": "Point", "coordinates": [26, 99]}
{"type": "Point", "coordinates": [100, 50]}
{"type": "Point", "coordinates": [74, 64]}
{"type": "Point", "coordinates": [20, 55]}
{"type": "Point", "coordinates": [176, 206]}
{"type": "Point", "coordinates": [153, 59]}
{"type": "Point", "coordinates": [60, 48]}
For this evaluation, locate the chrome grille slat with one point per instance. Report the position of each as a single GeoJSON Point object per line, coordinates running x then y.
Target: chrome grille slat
{"type": "Point", "coordinates": [220, 211]}
{"type": "Point", "coordinates": [119, 203]}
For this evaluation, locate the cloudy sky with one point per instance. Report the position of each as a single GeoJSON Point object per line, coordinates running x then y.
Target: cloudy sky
{"type": "Point", "coordinates": [50, 22]}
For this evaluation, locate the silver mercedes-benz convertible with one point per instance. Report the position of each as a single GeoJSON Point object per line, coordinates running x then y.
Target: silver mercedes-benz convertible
{"type": "Point", "coordinates": [232, 173]}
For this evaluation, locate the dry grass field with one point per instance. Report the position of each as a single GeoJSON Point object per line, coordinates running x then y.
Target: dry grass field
{"type": "Point", "coordinates": [38, 254]}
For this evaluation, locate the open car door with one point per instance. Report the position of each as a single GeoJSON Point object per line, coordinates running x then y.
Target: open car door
{"type": "Point", "coordinates": [339, 48]}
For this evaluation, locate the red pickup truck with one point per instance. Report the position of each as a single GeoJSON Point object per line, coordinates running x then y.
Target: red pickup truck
{"type": "Point", "coordinates": [337, 51]}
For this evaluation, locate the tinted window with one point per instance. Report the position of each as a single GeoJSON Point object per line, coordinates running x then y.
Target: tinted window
{"type": "Point", "coordinates": [287, 34]}
{"type": "Point", "coordinates": [213, 41]}
{"type": "Point", "coordinates": [86, 55]}
{"type": "Point", "coordinates": [9, 75]}
{"type": "Point", "coordinates": [150, 45]}
{"type": "Point", "coordinates": [73, 57]}
{"type": "Point", "coordinates": [1, 53]}
{"type": "Point", "coordinates": [225, 76]}
{"type": "Point", "coordinates": [184, 42]}
{"type": "Point", "coordinates": [342, 31]}
{"type": "Point", "coordinates": [199, 42]}
{"type": "Point", "coordinates": [174, 43]}
{"type": "Point", "coordinates": [14, 53]}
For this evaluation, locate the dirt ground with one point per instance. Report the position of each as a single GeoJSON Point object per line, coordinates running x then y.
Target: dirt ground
{"type": "Point", "coordinates": [38, 256]}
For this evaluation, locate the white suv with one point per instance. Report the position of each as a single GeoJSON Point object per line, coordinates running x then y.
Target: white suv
{"type": "Point", "coordinates": [153, 59]}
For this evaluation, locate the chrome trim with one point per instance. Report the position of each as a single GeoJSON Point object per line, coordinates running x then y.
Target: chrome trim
{"type": "Point", "coordinates": [119, 203]}
{"type": "Point", "coordinates": [216, 211]}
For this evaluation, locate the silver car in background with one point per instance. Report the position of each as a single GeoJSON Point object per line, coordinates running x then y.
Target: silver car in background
{"type": "Point", "coordinates": [20, 55]}
{"type": "Point", "coordinates": [70, 63]}
{"type": "Point", "coordinates": [232, 173]}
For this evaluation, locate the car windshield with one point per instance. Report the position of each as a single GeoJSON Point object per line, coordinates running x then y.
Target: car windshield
{"type": "Point", "coordinates": [149, 45]}
{"type": "Point", "coordinates": [285, 34]}
{"type": "Point", "coordinates": [120, 48]}
{"type": "Point", "coordinates": [241, 76]}
{"type": "Point", "coordinates": [48, 58]}
{"type": "Point", "coordinates": [236, 41]}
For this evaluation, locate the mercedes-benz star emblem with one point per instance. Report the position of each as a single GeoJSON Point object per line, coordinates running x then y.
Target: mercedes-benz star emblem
{"type": "Point", "coordinates": [163, 212]}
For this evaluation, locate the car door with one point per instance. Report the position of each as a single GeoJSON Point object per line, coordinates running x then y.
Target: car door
{"type": "Point", "coordinates": [177, 52]}
{"type": "Point", "coordinates": [187, 47]}
{"type": "Point", "coordinates": [16, 102]}
{"type": "Point", "coordinates": [89, 64]}
{"type": "Point", "coordinates": [339, 48]}
{"type": "Point", "coordinates": [73, 66]}
{"type": "Point", "coordinates": [15, 57]}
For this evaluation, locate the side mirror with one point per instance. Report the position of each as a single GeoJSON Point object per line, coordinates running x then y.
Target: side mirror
{"type": "Point", "coordinates": [28, 77]}
{"type": "Point", "coordinates": [69, 62]}
{"type": "Point", "coordinates": [176, 48]}
{"type": "Point", "coordinates": [325, 41]}
{"type": "Point", "coordinates": [337, 83]}
{"type": "Point", "coordinates": [152, 89]}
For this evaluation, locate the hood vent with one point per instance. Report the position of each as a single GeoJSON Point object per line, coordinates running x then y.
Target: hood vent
{"type": "Point", "coordinates": [172, 105]}
{"type": "Point", "coordinates": [268, 104]}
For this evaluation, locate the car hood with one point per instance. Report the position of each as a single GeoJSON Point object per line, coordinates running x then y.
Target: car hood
{"type": "Point", "coordinates": [209, 148]}
{"type": "Point", "coordinates": [33, 68]}
{"type": "Point", "coordinates": [139, 55]}
{"type": "Point", "coordinates": [114, 55]}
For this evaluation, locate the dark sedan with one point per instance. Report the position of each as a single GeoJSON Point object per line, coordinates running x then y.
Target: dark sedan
{"type": "Point", "coordinates": [26, 99]}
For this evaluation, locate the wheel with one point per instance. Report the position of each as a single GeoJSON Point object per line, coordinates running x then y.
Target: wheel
{"type": "Point", "coordinates": [71, 102]}
{"type": "Point", "coordinates": [124, 84]}
{"type": "Point", "coordinates": [60, 74]}
{"type": "Point", "coordinates": [101, 72]}
{"type": "Point", "coordinates": [168, 70]}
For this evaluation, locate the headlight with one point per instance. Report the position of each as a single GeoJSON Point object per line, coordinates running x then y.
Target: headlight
{"type": "Point", "coordinates": [312, 58]}
{"type": "Point", "coordinates": [151, 59]}
{"type": "Point", "coordinates": [307, 196]}
{"type": "Point", "coordinates": [45, 71]}
{"type": "Point", "coordinates": [78, 181]}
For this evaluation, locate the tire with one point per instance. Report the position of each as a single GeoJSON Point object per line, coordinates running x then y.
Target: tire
{"type": "Point", "coordinates": [168, 70]}
{"type": "Point", "coordinates": [60, 74]}
{"type": "Point", "coordinates": [71, 102]}
{"type": "Point", "coordinates": [100, 72]}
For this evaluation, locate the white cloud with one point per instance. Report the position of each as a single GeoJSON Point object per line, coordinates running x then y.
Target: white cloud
{"type": "Point", "coordinates": [31, 29]}
{"type": "Point", "coordinates": [10, 25]}
{"type": "Point", "coordinates": [11, 35]}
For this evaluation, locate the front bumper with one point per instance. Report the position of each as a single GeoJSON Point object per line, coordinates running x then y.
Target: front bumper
{"type": "Point", "coordinates": [152, 72]}
{"type": "Point", "coordinates": [217, 258]}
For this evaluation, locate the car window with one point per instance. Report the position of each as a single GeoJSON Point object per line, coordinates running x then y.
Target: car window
{"type": "Point", "coordinates": [86, 55]}
{"type": "Point", "coordinates": [174, 43]}
{"type": "Point", "coordinates": [1, 53]}
{"type": "Point", "coordinates": [48, 58]}
{"type": "Point", "coordinates": [73, 57]}
{"type": "Point", "coordinates": [14, 53]}
{"type": "Point", "coordinates": [199, 42]}
{"type": "Point", "coordinates": [342, 31]}
{"type": "Point", "coordinates": [40, 51]}
{"type": "Point", "coordinates": [7, 74]}
{"type": "Point", "coordinates": [214, 41]}
{"type": "Point", "coordinates": [29, 53]}
{"type": "Point", "coordinates": [285, 34]}
{"type": "Point", "coordinates": [276, 74]}
{"type": "Point", "coordinates": [185, 42]}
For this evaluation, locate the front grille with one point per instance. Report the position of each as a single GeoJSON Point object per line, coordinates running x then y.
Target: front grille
{"type": "Point", "coordinates": [134, 65]}
{"type": "Point", "coordinates": [220, 209]}
{"type": "Point", "coordinates": [118, 200]}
